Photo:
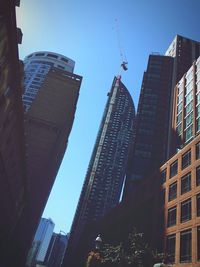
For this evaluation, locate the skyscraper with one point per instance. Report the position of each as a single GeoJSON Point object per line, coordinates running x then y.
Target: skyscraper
{"type": "Point", "coordinates": [152, 143]}
{"type": "Point", "coordinates": [37, 66]}
{"type": "Point", "coordinates": [151, 128]}
{"type": "Point", "coordinates": [40, 242]}
{"type": "Point", "coordinates": [50, 98]}
{"type": "Point", "coordinates": [104, 179]}
{"type": "Point", "coordinates": [56, 250]}
{"type": "Point", "coordinates": [184, 51]}
{"type": "Point", "coordinates": [186, 110]}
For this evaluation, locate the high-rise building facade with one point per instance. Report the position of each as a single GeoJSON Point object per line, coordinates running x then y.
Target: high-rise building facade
{"type": "Point", "coordinates": [184, 51]}
{"type": "Point", "coordinates": [49, 116]}
{"type": "Point", "coordinates": [151, 128]}
{"type": "Point", "coordinates": [37, 66]}
{"type": "Point", "coordinates": [40, 242]}
{"type": "Point", "coordinates": [13, 179]}
{"type": "Point", "coordinates": [106, 171]}
{"type": "Point", "coordinates": [56, 250]}
{"type": "Point", "coordinates": [186, 111]}
{"type": "Point", "coordinates": [161, 78]}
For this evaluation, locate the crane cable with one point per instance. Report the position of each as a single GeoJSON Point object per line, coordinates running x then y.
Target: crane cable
{"type": "Point", "coordinates": [124, 61]}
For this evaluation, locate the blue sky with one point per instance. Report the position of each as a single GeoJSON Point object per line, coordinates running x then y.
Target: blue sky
{"type": "Point", "coordinates": [85, 31]}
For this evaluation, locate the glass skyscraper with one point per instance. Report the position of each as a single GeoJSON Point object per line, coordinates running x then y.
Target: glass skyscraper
{"type": "Point", "coordinates": [36, 66]}
{"type": "Point", "coordinates": [104, 179]}
{"type": "Point", "coordinates": [41, 242]}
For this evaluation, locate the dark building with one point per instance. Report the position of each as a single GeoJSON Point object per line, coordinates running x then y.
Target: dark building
{"type": "Point", "coordinates": [56, 250]}
{"type": "Point", "coordinates": [104, 179]}
{"type": "Point", "coordinates": [166, 204]}
{"type": "Point", "coordinates": [53, 93]}
{"type": "Point", "coordinates": [13, 179]}
{"type": "Point", "coordinates": [153, 137]}
{"type": "Point", "coordinates": [152, 120]}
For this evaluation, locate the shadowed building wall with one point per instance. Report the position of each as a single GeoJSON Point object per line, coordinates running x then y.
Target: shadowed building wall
{"type": "Point", "coordinates": [13, 179]}
{"type": "Point", "coordinates": [104, 179]}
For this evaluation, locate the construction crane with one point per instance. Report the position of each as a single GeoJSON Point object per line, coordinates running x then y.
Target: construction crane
{"type": "Point", "coordinates": [124, 61]}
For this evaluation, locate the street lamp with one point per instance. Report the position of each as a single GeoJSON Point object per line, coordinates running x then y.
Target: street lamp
{"type": "Point", "coordinates": [98, 242]}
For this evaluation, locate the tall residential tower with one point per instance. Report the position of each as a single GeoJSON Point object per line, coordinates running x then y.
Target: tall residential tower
{"type": "Point", "coordinates": [50, 98]}
{"type": "Point", "coordinates": [104, 179]}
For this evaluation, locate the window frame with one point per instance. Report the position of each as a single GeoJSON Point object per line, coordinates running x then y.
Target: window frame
{"type": "Point", "coordinates": [188, 188]}
{"type": "Point", "coordinates": [186, 156]}
{"type": "Point", "coordinates": [188, 216]}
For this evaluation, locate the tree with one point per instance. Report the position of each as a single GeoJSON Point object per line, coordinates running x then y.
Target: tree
{"type": "Point", "coordinates": [132, 252]}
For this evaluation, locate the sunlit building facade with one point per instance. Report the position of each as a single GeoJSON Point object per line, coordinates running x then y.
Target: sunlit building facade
{"type": "Point", "coordinates": [40, 242]}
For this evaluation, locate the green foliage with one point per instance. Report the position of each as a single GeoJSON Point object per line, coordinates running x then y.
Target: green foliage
{"type": "Point", "coordinates": [133, 252]}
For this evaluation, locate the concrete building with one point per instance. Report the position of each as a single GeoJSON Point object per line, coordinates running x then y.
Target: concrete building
{"type": "Point", "coordinates": [49, 116]}
{"type": "Point", "coordinates": [13, 179]}
{"type": "Point", "coordinates": [40, 242]}
{"type": "Point", "coordinates": [104, 179]}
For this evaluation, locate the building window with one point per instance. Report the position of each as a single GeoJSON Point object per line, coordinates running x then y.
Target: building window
{"type": "Point", "coordinates": [186, 210]}
{"type": "Point", "coordinates": [198, 150]}
{"type": "Point", "coordinates": [198, 243]}
{"type": "Point", "coordinates": [198, 176]}
{"type": "Point", "coordinates": [198, 204]}
{"type": "Point", "coordinates": [186, 246]}
{"type": "Point", "coordinates": [186, 159]}
{"type": "Point", "coordinates": [186, 183]}
{"type": "Point", "coordinates": [171, 218]}
{"type": "Point", "coordinates": [172, 191]}
{"type": "Point", "coordinates": [171, 247]}
{"type": "Point", "coordinates": [198, 124]}
{"type": "Point", "coordinates": [173, 168]}
{"type": "Point", "coordinates": [188, 133]}
{"type": "Point", "coordinates": [163, 176]}
{"type": "Point", "coordinates": [162, 196]}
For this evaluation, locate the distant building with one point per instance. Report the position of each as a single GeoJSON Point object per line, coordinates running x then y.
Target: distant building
{"type": "Point", "coordinates": [104, 179]}
{"type": "Point", "coordinates": [56, 250]}
{"type": "Point", "coordinates": [40, 242]}
{"type": "Point", "coordinates": [50, 99]}
{"type": "Point", "coordinates": [13, 178]}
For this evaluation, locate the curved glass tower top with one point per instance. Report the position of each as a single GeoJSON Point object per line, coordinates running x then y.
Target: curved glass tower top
{"type": "Point", "coordinates": [36, 67]}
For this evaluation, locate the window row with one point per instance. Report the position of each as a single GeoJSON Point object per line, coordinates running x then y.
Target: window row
{"type": "Point", "coordinates": [185, 246]}
{"type": "Point", "coordinates": [185, 185]}
{"type": "Point", "coordinates": [185, 212]}
{"type": "Point", "coordinates": [185, 162]}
